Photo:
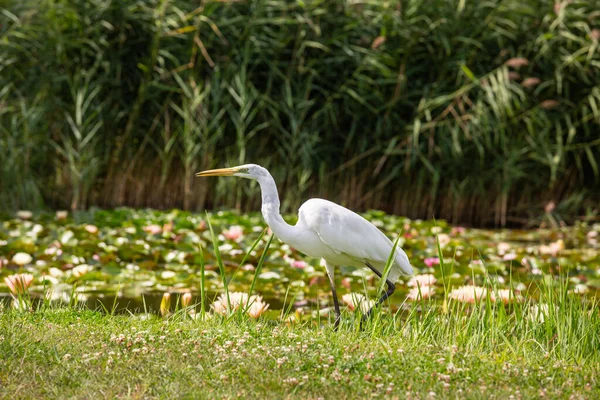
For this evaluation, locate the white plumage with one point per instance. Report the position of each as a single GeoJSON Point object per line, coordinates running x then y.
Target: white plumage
{"type": "Point", "coordinates": [326, 230]}
{"type": "Point", "coordinates": [349, 239]}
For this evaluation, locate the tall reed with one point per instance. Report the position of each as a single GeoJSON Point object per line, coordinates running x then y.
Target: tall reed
{"type": "Point", "coordinates": [479, 113]}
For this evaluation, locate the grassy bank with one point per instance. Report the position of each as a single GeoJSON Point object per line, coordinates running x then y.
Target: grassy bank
{"type": "Point", "coordinates": [68, 353]}
{"type": "Point", "coordinates": [491, 314]}
{"type": "Point", "coordinates": [474, 112]}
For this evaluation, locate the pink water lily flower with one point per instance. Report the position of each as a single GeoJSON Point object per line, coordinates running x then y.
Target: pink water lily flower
{"type": "Point", "coordinates": [357, 301]}
{"type": "Point", "coordinates": [443, 239]}
{"type": "Point", "coordinates": [18, 284]}
{"type": "Point", "coordinates": [235, 233]}
{"type": "Point", "coordinates": [257, 308]}
{"type": "Point", "coordinates": [153, 229]}
{"type": "Point", "coordinates": [186, 299]}
{"type": "Point", "coordinates": [468, 294]}
{"type": "Point", "coordinates": [423, 292]}
{"type": "Point", "coordinates": [553, 248]}
{"type": "Point", "coordinates": [509, 257]}
{"type": "Point", "coordinates": [503, 248]}
{"type": "Point", "coordinates": [93, 229]}
{"type": "Point", "coordinates": [431, 261]}
{"type": "Point", "coordinates": [422, 280]}
{"type": "Point", "coordinates": [24, 214]}
{"type": "Point", "coordinates": [239, 300]}
{"type": "Point", "coordinates": [165, 304]}
{"type": "Point", "coordinates": [457, 231]}
{"type": "Point", "coordinates": [298, 264]}
{"type": "Point", "coordinates": [505, 296]}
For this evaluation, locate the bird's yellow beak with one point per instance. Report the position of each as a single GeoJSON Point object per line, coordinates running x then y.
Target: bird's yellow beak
{"type": "Point", "coordinates": [218, 172]}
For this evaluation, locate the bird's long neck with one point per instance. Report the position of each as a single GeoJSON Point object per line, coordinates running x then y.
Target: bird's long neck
{"type": "Point", "coordinates": [270, 209]}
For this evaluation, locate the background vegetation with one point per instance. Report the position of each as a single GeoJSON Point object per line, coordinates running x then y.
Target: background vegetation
{"type": "Point", "coordinates": [479, 112]}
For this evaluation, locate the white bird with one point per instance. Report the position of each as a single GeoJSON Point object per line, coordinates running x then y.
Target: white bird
{"type": "Point", "coordinates": [328, 231]}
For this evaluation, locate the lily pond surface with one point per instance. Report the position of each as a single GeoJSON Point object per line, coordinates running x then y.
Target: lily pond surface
{"type": "Point", "coordinates": [125, 259]}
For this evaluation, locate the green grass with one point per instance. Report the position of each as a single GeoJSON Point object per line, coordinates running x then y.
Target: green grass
{"type": "Point", "coordinates": [68, 353]}
{"type": "Point", "coordinates": [545, 345]}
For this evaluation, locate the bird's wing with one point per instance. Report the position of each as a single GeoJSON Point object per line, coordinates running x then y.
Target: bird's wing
{"type": "Point", "coordinates": [346, 232]}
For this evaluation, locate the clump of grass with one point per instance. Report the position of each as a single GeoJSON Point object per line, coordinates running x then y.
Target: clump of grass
{"type": "Point", "coordinates": [241, 308]}
{"type": "Point", "coordinates": [462, 353]}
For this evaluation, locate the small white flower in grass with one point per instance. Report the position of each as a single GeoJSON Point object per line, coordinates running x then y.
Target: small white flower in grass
{"type": "Point", "coordinates": [61, 215]}
{"type": "Point", "coordinates": [356, 301]}
{"type": "Point", "coordinates": [24, 214]}
{"type": "Point", "coordinates": [422, 280]}
{"type": "Point", "coordinates": [468, 294]}
{"type": "Point", "coordinates": [18, 284]}
{"type": "Point", "coordinates": [418, 293]}
{"type": "Point", "coordinates": [22, 259]}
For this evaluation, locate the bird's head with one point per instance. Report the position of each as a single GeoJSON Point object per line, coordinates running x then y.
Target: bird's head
{"type": "Point", "coordinates": [248, 171]}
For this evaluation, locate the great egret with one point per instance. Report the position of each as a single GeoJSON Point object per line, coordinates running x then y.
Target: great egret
{"type": "Point", "coordinates": [328, 231]}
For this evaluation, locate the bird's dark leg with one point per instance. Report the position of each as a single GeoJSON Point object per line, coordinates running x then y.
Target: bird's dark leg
{"type": "Point", "coordinates": [390, 289]}
{"type": "Point", "coordinates": [336, 304]}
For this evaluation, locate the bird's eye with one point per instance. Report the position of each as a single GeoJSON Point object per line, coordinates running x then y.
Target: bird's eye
{"type": "Point", "coordinates": [244, 170]}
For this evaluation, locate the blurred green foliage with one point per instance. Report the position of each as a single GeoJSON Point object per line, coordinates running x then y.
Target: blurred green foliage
{"type": "Point", "coordinates": [478, 112]}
